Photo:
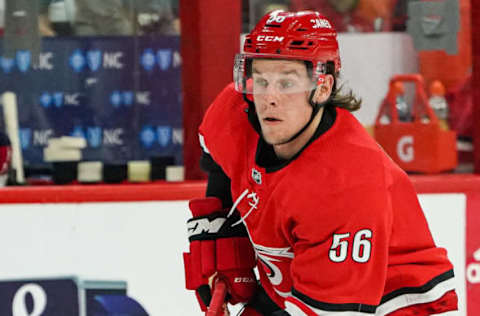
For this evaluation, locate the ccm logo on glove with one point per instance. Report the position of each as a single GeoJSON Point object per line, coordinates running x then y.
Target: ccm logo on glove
{"type": "Point", "coordinates": [204, 225]}
{"type": "Point", "coordinates": [243, 280]}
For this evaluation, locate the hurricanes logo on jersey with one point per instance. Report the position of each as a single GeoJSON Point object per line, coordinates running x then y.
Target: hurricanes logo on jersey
{"type": "Point", "coordinates": [271, 259]}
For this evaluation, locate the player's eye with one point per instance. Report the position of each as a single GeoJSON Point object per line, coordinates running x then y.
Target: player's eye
{"type": "Point", "coordinates": [285, 84]}
{"type": "Point", "coordinates": [260, 82]}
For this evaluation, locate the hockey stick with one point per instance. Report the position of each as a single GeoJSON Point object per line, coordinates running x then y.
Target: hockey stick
{"type": "Point", "coordinates": [218, 299]}
{"type": "Point", "coordinates": [10, 114]}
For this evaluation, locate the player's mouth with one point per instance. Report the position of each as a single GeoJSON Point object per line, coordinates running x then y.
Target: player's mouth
{"type": "Point", "coordinates": [271, 120]}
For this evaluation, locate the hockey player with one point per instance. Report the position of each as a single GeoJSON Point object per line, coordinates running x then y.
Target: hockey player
{"type": "Point", "coordinates": [335, 225]}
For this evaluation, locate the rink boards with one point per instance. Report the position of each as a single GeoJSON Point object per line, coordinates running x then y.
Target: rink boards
{"type": "Point", "coordinates": [104, 236]}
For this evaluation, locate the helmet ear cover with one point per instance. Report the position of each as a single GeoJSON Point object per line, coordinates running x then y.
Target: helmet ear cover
{"type": "Point", "coordinates": [329, 69]}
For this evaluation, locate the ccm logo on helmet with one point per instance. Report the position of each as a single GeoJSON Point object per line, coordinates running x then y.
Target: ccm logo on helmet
{"type": "Point", "coordinates": [269, 38]}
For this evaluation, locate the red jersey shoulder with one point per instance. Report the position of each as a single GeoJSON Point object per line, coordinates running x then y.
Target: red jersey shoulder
{"type": "Point", "coordinates": [341, 176]}
{"type": "Point", "coordinates": [344, 157]}
{"type": "Point", "coordinates": [226, 106]}
{"type": "Point", "coordinates": [221, 131]}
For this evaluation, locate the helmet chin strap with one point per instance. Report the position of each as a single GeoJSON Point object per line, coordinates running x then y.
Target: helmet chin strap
{"type": "Point", "coordinates": [253, 118]}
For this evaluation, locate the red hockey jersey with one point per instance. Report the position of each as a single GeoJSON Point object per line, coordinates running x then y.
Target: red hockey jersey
{"type": "Point", "coordinates": [338, 229]}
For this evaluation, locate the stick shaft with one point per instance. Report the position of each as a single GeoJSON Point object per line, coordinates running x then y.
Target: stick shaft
{"type": "Point", "coordinates": [218, 298]}
{"type": "Point", "coordinates": [9, 102]}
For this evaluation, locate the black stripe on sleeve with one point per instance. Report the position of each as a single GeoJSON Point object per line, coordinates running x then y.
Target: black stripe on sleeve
{"type": "Point", "coordinates": [218, 184]}
{"type": "Point", "coordinates": [207, 163]}
{"type": "Point", "coordinates": [419, 289]}
{"type": "Point", "coordinates": [357, 307]}
{"type": "Point", "coordinates": [347, 307]}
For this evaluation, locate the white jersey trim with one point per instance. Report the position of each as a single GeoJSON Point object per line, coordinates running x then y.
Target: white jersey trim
{"type": "Point", "coordinates": [386, 308]}
{"type": "Point", "coordinates": [406, 300]}
{"type": "Point", "coordinates": [202, 143]}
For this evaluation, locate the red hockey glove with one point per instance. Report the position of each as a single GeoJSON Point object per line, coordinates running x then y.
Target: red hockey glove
{"type": "Point", "coordinates": [215, 246]}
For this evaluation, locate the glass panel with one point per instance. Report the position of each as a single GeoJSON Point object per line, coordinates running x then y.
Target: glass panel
{"type": "Point", "coordinates": [346, 15]}
{"type": "Point", "coordinates": [107, 71]}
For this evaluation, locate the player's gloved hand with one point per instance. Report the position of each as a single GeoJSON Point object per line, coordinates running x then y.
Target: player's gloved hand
{"type": "Point", "coordinates": [220, 250]}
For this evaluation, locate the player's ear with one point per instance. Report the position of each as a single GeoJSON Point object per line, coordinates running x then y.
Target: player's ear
{"type": "Point", "coordinates": [324, 89]}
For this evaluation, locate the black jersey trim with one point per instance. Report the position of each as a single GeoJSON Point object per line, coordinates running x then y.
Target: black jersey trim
{"type": "Point", "coordinates": [262, 303]}
{"type": "Point", "coordinates": [365, 308]}
{"type": "Point", "coordinates": [207, 163]}
{"type": "Point", "coordinates": [218, 183]}
{"type": "Point", "coordinates": [347, 307]}
{"type": "Point", "coordinates": [419, 289]}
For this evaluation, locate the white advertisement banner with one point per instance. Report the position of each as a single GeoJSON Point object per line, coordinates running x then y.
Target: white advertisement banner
{"type": "Point", "coordinates": [142, 243]}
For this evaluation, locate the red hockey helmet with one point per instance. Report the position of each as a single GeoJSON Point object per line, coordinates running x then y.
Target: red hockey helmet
{"type": "Point", "coordinates": [304, 35]}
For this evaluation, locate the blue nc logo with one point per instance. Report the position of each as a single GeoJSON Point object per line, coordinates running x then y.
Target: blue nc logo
{"type": "Point", "coordinates": [116, 99]}
{"type": "Point", "coordinates": [24, 58]}
{"type": "Point", "coordinates": [45, 99]}
{"type": "Point", "coordinates": [25, 136]}
{"type": "Point", "coordinates": [164, 135]}
{"type": "Point", "coordinates": [77, 60]}
{"type": "Point", "coordinates": [164, 58]}
{"type": "Point", "coordinates": [7, 64]}
{"type": "Point", "coordinates": [94, 136]}
{"type": "Point", "coordinates": [58, 99]}
{"type": "Point", "coordinates": [147, 136]}
{"type": "Point", "coordinates": [78, 132]}
{"type": "Point", "coordinates": [94, 59]}
{"type": "Point", "coordinates": [127, 97]}
{"type": "Point", "coordinates": [147, 60]}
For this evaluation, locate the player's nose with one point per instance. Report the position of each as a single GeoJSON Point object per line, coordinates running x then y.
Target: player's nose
{"type": "Point", "coordinates": [271, 98]}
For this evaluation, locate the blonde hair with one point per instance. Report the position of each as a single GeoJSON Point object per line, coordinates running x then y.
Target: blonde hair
{"type": "Point", "coordinates": [346, 101]}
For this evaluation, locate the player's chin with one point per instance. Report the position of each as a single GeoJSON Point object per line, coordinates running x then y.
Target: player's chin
{"type": "Point", "coordinates": [268, 138]}
{"type": "Point", "coordinates": [274, 139]}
